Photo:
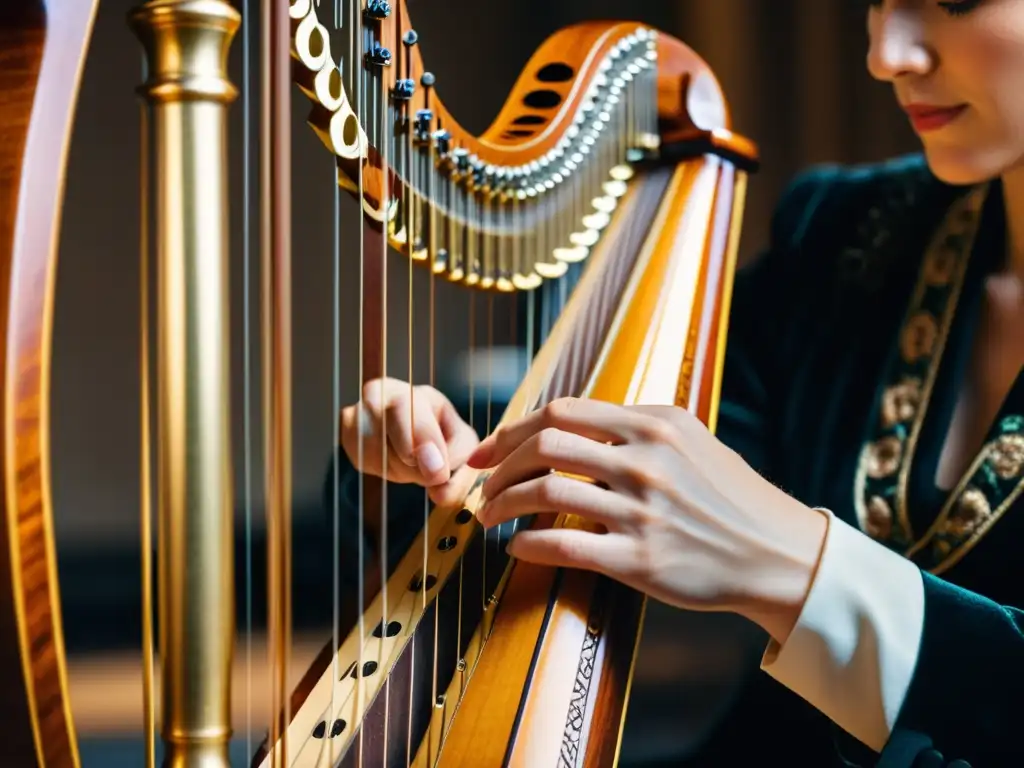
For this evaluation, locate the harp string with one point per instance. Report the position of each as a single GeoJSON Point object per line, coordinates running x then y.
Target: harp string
{"type": "Point", "coordinates": [429, 175]}
{"type": "Point", "coordinates": [338, 23]}
{"type": "Point", "coordinates": [489, 267]}
{"type": "Point", "coordinates": [359, 77]}
{"type": "Point", "coordinates": [405, 65]}
{"type": "Point", "coordinates": [247, 106]}
{"type": "Point", "coordinates": [384, 140]}
{"type": "Point", "coordinates": [431, 379]}
{"type": "Point", "coordinates": [355, 88]}
{"type": "Point", "coordinates": [145, 484]}
{"type": "Point", "coordinates": [514, 344]}
{"type": "Point", "coordinates": [408, 224]}
{"type": "Point", "coordinates": [276, 326]}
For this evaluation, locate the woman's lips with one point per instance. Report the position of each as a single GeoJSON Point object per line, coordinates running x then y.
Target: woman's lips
{"type": "Point", "coordinates": [926, 117]}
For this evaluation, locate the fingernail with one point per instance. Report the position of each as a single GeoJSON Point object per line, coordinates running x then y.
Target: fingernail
{"type": "Point", "coordinates": [430, 459]}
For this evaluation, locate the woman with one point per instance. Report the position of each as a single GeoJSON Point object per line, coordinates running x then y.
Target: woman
{"type": "Point", "coordinates": [874, 374]}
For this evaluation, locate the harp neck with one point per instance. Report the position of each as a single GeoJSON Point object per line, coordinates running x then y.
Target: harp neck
{"type": "Point", "coordinates": [514, 206]}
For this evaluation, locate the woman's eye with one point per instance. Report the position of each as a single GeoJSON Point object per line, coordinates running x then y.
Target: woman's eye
{"type": "Point", "coordinates": [959, 7]}
{"type": "Point", "coordinates": [952, 7]}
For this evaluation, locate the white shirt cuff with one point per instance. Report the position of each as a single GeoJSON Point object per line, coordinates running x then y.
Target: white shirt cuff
{"type": "Point", "coordinates": [853, 651]}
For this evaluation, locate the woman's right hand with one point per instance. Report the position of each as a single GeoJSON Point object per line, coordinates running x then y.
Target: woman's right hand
{"type": "Point", "coordinates": [427, 440]}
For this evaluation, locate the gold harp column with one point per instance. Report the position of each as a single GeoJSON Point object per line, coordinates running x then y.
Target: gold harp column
{"type": "Point", "coordinates": [188, 91]}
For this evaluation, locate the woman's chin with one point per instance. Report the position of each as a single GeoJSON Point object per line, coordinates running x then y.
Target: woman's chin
{"type": "Point", "coordinates": [961, 167]}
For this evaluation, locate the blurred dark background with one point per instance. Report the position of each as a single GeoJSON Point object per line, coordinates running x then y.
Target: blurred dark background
{"type": "Point", "coordinates": [793, 71]}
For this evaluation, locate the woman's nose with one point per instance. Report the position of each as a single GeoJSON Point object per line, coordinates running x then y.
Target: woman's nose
{"type": "Point", "coordinates": [897, 44]}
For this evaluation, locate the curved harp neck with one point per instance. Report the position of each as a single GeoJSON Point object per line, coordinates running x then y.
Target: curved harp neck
{"type": "Point", "coordinates": [515, 205]}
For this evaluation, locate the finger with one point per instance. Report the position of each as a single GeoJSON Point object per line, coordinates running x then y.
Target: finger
{"type": "Point", "coordinates": [447, 494]}
{"type": "Point", "coordinates": [670, 415]}
{"type": "Point", "coordinates": [553, 449]}
{"type": "Point", "coordinates": [461, 444]}
{"type": "Point", "coordinates": [594, 419]}
{"type": "Point", "coordinates": [361, 440]}
{"type": "Point", "coordinates": [554, 493]}
{"type": "Point", "coordinates": [362, 426]}
{"type": "Point", "coordinates": [377, 393]}
{"type": "Point", "coordinates": [390, 401]}
{"type": "Point", "coordinates": [607, 553]}
{"type": "Point", "coordinates": [416, 437]}
{"type": "Point", "coordinates": [460, 437]}
{"type": "Point", "coordinates": [357, 435]}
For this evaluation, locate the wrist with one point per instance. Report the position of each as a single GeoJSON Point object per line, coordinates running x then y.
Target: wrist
{"type": "Point", "coordinates": [783, 577]}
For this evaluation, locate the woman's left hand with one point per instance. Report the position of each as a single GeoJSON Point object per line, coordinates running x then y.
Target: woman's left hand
{"type": "Point", "coordinates": [688, 521]}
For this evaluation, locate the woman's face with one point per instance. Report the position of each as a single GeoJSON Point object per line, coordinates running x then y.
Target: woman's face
{"type": "Point", "coordinates": [957, 68]}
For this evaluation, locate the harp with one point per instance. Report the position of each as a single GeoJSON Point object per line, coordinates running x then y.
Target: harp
{"type": "Point", "coordinates": [608, 191]}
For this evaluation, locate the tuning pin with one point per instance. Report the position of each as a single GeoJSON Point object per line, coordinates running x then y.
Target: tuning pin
{"type": "Point", "coordinates": [404, 89]}
{"type": "Point", "coordinates": [460, 156]}
{"type": "Point", "coordinates": [421, 125]}
{"type": "Point", "coordinates": [427, 81]}
{"type": "Point", "coordinates": [410, 38]}
{"type": "Point", "coordinates": [377, 10]}
{"type": "Point", "coordinates": [378, 56]}
{"type": "Point", "coordinates": [443, 141]}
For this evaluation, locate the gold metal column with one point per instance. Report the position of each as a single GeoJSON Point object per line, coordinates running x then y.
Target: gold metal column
{"type": "Point", "coordinates": [187, 87]}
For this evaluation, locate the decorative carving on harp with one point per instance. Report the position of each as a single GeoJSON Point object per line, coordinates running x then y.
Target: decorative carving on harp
{"type": "Point", "coordinates": [609, 189]}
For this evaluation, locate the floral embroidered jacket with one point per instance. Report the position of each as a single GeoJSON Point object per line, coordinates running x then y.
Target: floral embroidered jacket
{"type": "Point", "coordinates": [848, 344]}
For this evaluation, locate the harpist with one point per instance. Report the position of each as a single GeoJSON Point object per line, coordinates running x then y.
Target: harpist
{"type": "Point", "coordinates": [862, 499]}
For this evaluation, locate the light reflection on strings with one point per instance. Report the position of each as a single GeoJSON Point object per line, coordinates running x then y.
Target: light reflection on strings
{"type": "Point", "coordinates": [145, 451]}
{"type": "Point", "coordinates": [247, 107]}
{"type": "Point", "coordinates": [335, 411]}
{"type": "Point", "coordinates": [379, 112]}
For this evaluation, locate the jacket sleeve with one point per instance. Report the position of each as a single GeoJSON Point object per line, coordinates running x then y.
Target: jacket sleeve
{"type": "Point", "coordinates": [920, 670]}
{"type": "Point", "coordinates": [855, 647]}
{"type": "Point", "coordinates": [963, 701]}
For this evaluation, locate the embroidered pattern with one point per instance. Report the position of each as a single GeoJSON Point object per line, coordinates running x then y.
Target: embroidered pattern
{"type": "Point", "coordinates": [886, 458]}
{"type": "Point", "coordinates": [997, 476]}
{"type": "Point", "coordinates": [989, 488]}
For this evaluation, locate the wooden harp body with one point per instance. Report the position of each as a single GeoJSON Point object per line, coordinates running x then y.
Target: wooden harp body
{"type": "Point", "coordinates": [612, 162]}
